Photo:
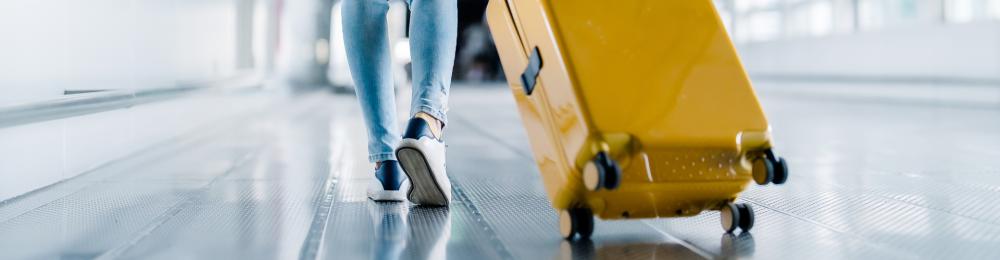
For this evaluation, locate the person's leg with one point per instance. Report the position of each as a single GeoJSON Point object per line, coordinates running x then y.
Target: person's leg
{"type": "Point", "coordinates": [421, 153]}
{"type": "Point", "coordinates": [433, 33]}
{"type": "Point", "coordinates": [367, 42]}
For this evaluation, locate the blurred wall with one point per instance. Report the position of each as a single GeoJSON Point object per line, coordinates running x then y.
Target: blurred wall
{"type": "Point", "coordinates": [903, 41]}
{"type": "Point", "coordinates": [967, 52]}
{"type": "Point", "coordinates": [304, 49]}
{"type": "Point", "coordinates": [49, 46]}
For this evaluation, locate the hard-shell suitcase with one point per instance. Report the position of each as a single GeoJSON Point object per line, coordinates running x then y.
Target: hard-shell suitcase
{"type": "Point", "coordinates": [634, 109]}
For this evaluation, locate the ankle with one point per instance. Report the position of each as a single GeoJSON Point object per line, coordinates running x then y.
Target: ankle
{"type": "Point", "coordinates": [437, 127]}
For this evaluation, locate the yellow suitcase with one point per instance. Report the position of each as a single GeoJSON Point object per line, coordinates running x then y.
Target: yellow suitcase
{"type": "Point", "coordinates": [634, 109]}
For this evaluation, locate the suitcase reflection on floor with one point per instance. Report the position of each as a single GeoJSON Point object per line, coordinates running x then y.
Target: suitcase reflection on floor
{"type": "Point", "coordinates": [395, 237]}
{"type": "Point", "coordinates": [731, 246]}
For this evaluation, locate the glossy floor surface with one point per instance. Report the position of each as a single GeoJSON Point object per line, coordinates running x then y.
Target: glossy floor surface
{"type": "Point", "coordinates": [870, 179]}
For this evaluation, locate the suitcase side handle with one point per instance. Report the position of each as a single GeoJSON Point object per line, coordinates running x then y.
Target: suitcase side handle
{"type": "Point", "coordinates": [530, 75]}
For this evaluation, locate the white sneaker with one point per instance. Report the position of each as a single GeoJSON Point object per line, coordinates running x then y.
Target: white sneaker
{"type": "Point", "coordinates": [422, 156]}
{"type": "Point", "coordinates": [389, 184]}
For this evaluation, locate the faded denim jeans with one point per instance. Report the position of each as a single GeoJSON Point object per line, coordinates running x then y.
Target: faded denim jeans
{"type": "Point", "coordinates": [433, 33]}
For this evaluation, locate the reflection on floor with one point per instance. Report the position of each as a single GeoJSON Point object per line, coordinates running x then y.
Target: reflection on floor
{"type": "Point", "coordinates": [869, 181]}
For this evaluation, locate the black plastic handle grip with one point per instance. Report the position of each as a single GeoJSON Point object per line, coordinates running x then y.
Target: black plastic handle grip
{"type": "Point", "coordinates": [530, 75]}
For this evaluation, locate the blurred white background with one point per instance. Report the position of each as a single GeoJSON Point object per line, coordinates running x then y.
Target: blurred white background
{"type": "Point", "coordinates": [49, 46]}
{"type": "Point", "coordinates": [871, 40]}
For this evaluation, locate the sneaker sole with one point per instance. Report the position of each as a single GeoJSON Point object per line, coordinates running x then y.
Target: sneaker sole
{"type": "Point", "coordinates": [377, 194]}
{"type": "Point", "coordinates": [424, 188]}
{"type": "Point", "coordinates": [387, 196]}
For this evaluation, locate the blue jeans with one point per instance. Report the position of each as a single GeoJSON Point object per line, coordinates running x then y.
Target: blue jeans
{"type": "Point", "coordinates": [433, 33]}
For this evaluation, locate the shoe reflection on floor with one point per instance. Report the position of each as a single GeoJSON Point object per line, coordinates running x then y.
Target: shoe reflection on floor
{"type": "Point", "coordinates": [404, 231]}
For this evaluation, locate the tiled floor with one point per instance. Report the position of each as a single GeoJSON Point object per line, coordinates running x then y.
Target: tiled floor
{"type": "Point", "coordinates": [869, 180]}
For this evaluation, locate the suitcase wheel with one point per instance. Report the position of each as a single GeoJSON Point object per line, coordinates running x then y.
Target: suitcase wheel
{"type": "Point", "coordinates": [780, 171]}
{"type": "Point", "coordinates": [576, 221]}
{"type": "Point", "coordinates": [770, 169]}
{"type": "Point", "coordinates": [746, 216]}
{"type": "Point", "coordinates": [735, 215]}
{"type": "Point", "coordinates": [602, 172]}
{"type": "Point", "coordinates": [763, 170]}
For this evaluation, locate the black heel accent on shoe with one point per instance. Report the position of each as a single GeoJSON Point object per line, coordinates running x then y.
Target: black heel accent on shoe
{"type": "Point", "coordinates": [418, 127]}
{"type": "Point", "coordinates": [390, 175]}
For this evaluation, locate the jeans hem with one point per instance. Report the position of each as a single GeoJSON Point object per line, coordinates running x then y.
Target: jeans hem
{"type": "Point", "coordinates": [381, 157]}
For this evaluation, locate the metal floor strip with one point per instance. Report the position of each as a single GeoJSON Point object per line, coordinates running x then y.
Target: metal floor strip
{"type": "Point", "coordinates": [690, 246]}
{"type": "Point", "coordinates": [313, 240]}
{"type": "Point", "coordinates": [158, 222]}
{"type": "Point", "coordinates": [487, 228]}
